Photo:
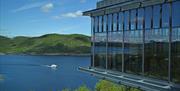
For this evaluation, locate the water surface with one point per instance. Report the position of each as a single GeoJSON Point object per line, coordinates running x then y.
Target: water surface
{"type": "Point", "coordinates": [30, 73]}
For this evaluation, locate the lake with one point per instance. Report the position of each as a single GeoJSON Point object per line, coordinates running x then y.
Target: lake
{"type": "Point", "coordinates": [32, 73]}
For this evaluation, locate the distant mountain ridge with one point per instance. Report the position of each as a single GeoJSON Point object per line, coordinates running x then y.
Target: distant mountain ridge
{"type": "Point", "coordinates": [49, 44]}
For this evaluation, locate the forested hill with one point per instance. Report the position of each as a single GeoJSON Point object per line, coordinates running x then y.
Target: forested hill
{"type": "Point", "coordinates": [49, 44]}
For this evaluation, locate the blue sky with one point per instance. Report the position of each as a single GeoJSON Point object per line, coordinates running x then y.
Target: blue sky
{"type": "Point", "coordinates": [38, 17]}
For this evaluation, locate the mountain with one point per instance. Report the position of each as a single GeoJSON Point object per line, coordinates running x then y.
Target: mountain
{"type": "Point", "coordinates": [46, 44]}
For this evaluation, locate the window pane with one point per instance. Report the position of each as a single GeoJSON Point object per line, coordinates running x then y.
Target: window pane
{"type": "Point", "coordinates": [120, 21]}
{"type": "Point", "coordinates": [115, 50]}
{"type": "Point", "coordinates": [100, 23]}
{"type": "Point", "coordinates": [140, 18]}
{"type": "Point", "coordinates": [100, 50]}
{"type": "Point", "coordinates": [110, 22]}
{"type": "Point", "coordinates": [115, 22]}
{"type": "Point", "coordinates": [156, 53]}
{"type": "Point", "coordinates": [165, 15]}
{"type": "Point", "coordinates": [175, 50]}
{"type": "Point", "coordinates": [126, 20]}
{"type": "Point", "coordinates": [96, 24]}
{"type": "Point", "coordinates": [148, 17]}
{"type": "Point", "coordinates": [105, 23]}
{"type": "Point", "coordinates": [176, 14]}
{"type": "Point", "coordinates": [133, 19]}
{"type": "Point", "coordinates": [156, 16]}
{"type": "Point", "coordinates": [133, 51]}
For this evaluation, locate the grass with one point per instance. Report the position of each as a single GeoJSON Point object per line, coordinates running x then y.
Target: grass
{"type": "Point", "coordinates": [104, 85]}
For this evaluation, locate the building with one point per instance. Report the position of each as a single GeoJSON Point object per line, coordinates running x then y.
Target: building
{"type": "Point", "coordinates": [136, 43]}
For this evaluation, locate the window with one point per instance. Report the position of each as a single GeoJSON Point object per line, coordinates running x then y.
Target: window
{"type": "Point", "coordinates": [140, 18]}
{"type": "Point", "coordinates": [96, 24]}
{"type": "Point", "coordinates": [126, 20]}
{"type": "Point", "coordinates": [110, 22]}
{"type": "Point", "coordinates": [165, 15]}
{"type": "Point", "coordinates": [115, 22]}
{"type": "Point", "coordinates": [133, 19]}
{"type": "Point", "coordinates": [115, 51]}
{"type": "Point", "coordinates": [156, 47]}
{"type": "Point", "coordinates": [100, 50]}
{"type": "Point", "coordinates": [100, 23]}
{"type": "Point", "coordinates": [175, 48]}
{"type": "Point", "coordinates": [176, 14]}
{"type": "Point", "coordinates": [92, 25]}
{"type": "Point", "coordinates": [148, 17]}
{"type": "Point", "coordinates": [120, 21]}
{"type": "Point", "coordinates": [105, 23]}
{"type": "Point", "coordinates": [156, 16]}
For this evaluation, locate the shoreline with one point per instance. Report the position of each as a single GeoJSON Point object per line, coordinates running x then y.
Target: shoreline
{"type": "Point", "coordinates": [46, 54]}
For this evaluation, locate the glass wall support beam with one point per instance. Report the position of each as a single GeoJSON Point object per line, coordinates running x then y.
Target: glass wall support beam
{"type": "Point", "coordinates": [170, 34]}
{"type": "Point", "coordinates": [107, 42]}
{"type": "Point", "coordinates": [93, 39]}
{"type": "Point", "coordinates": [123, 44]}
{"type": "Point", "coordinates": [143, 45]}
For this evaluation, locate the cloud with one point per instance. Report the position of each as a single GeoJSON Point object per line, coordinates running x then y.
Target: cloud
{"type": "Point", "coordinates": [69, 15]}
{"type": "Point", "coordinates": [72, 14]}
{"type": "Point", "coordinates": [47, 7]}
{"type": "Point", "coordinates": [82, 1]}
{"type": "Point", "coordinates": [28, 6]}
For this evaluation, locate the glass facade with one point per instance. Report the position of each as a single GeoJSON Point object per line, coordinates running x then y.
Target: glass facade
{"type": "Point", "coordinates": [100, 50]}
{"type": "Point", "coordinates": [175, 42]}
{"type": "Point", "coordinates": [156, 45]}
{"type": "Point", "coordinates": [143, 41]}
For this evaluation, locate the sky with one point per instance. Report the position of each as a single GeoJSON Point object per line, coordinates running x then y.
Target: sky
{"type": "Point", "coordinates": [39, 17]}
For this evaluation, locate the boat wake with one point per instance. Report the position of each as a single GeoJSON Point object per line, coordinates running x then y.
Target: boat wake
{"type": "Point", "coordinates": [52, 66]}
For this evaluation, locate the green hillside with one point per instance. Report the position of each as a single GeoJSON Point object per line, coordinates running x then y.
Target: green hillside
{"type": "Point", "coordinates": [46, 44]}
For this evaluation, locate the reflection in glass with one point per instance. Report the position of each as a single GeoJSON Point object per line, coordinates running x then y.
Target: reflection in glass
{"type": "Point", "coordinates": [100, 23]}
{"type": "Point", "coordinates": [126, 20]}
{"type": "Point", "coordinates": [105, 23]}
{"type": "Point", "coordinates": [100, 50]}
{"type": "Point", "coordinates": [133, 19]}
{"type": "Point", "coordinates": [140, 18]}
{"type": "Point", "coordinates": [96, 24]}
{"type": "Point", "coordinates": [115, 51]}
{"type": "Point", "coordinates": [148, 16]}
{"type": "Point", "coordinates": [120, 25]}
{"type": "Point", "coordinates": [156, 16]}
{"type": "Point", "coordinates": [165, 15]}
{"type": "Point", "coordinates": [156, 53]}
{"type": "Point", "coordinates": [176, 14]}
{"type": "Point", "coordinates": [115, 22]}
{"type": "Point", "coordinates": [175, 50]}
{"type": "Point", "coordinates": [110, 22]}
{"type": "Point", "coordinates": [175, 45]}
{"type": "Point", "coordinates": [133, 52]}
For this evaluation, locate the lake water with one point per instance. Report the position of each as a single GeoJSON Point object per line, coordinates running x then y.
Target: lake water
{"type": "Point", "coordinates": [31, 73]}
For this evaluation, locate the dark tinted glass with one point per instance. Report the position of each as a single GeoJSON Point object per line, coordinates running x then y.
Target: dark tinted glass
{"type": "Point", "coordinates": [156, 16]}
{"type": "Point", "coordinates": [165, 15]}
{"type": "Point", "coordinates": [105, 23]}
{"type": "Point", "coordinates": [176, 14]}
{"type": "Point", "coordinates": [148, 17]}
{"type": "Point", "coordinates": [140, 18]}
{"type": "Point", "coordinates": [100, 23]}
{"type": "Point", "coordinates": [110, 22]}
{"type": "Point", "coordinates": [96, 24]}
{"type": "Point", "coordinates": [115, 22]}
{"type": "Point", "coordinates": [126, 20]}
{"type": "Point", "coordinates": [133, 19]}
{"type": "Point", "coordinates": [120, 21]}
